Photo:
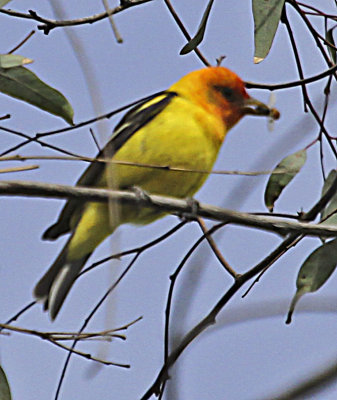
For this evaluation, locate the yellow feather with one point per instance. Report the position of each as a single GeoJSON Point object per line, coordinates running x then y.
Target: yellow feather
{"type": "Point", "coordinates": [187, 132]}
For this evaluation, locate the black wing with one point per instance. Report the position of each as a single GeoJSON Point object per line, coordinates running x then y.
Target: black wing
{"type": "Point", "coordinates": [132, 121]}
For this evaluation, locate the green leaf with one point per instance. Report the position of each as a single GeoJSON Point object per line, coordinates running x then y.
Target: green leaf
{"type": "Point", "coordinates": [267, 14]}
{"type": "Point", "coordinates": [330, 39]}
{"type": "Point", "coordinates": [4, 2]}
{"type": "Point", "coordinates": [23, 84]}
{"type": "Point", "coordinates": [197, 39]}
{"type": "Point", "coordinates": [278, 181]}
{"type": "Point", "coordinates": [5, 393]}
{"type": "Point", "coordinates": [13, 60]}
{"type": "Point", "coordinates": [314, 272]}
{"type": "Point", "coordinates": [331, 207]}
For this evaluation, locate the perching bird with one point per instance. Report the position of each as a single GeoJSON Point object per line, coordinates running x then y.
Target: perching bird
{"type": "Point", "coordinates": [182, 127]}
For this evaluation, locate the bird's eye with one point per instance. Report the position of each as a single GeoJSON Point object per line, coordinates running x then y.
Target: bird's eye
{"type": "Point", "coordinates": [226, 92]}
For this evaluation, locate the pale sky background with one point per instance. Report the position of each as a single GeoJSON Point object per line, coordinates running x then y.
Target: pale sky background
{"type": "Point", "coordinates": [251, 360]}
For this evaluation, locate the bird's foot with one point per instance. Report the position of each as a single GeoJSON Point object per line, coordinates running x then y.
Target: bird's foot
{"type": "Point", "coordinates": [192, 213]}
{"type": "Point", "coordinates": [140, 193]}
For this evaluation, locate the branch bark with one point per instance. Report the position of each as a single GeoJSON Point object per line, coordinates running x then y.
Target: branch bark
{"type": "Point", "coordinates": [167, 204]}
{"type": "Point", "coordinates": [49, 24]}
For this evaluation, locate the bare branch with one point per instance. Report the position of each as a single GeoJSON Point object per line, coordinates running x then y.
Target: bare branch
{"type": "Point", "coordinates": [18, 169]}
{"type": "Point", "coordinates": [49, 24]}
{"type": "Point", "coordinates": [19, 157]}
{"type": "Point", "coordinates": [310, 387]}
{"type": "Point", "coordinates": [287, 85]}
{"type": "Point", "coordinates": [171, 205]}
{"type": "Point", "coordinates": [55, 337]}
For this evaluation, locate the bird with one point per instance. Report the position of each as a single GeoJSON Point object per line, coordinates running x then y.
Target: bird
{"type": "Point", "coordinates": [182, 127]}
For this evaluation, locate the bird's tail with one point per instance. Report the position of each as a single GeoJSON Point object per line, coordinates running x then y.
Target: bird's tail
{"type": "Point", "coordinates": [53, 287]}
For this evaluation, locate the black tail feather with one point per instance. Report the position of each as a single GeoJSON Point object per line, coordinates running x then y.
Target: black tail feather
{"type": "Point", "coordinates": [55, 284]}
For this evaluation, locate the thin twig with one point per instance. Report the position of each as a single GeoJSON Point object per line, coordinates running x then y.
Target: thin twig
{"type": "Point", "coordinates": [51, 339]}
{"type": "Point", "coordinates": [21, 43]}
{"type": "Point", "coordinates": [94, 139]}
{"type": "Point", "coordinates": [215, 249]}
{"type": "Point", "coordinates": [310, 386]}
{"type": "Point", "coordinates": [297, 57]}
{"type": "Point", "coordinates": [49, 24]}
{"type": "Point", "coordinates": [288, 85]}
{"type": "Point", "coordinates": [117, 35]}
{"type": "Point", "coordinates": [18, 169]}
{"type": "Point", "coordinates": [18, 157]}
{"type": "Point", "coordinates": [173, 279]}
{"type": "Point", "coordinates": [184, 31]}
{"type": "Point", "coordinates": [139, 249]}
{"type": "Point", "coordinates": [19, 313]}
{"type": "Point", "coordinates": [29, 140]}
{"type": "Point", "coordinates": [87, 320]}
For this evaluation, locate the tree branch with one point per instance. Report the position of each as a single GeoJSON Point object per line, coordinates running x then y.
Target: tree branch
{"type": "Point", "coordinates": [299, 82]}
{"type": "Point", "coordinates": [49, 24]}
{"type": "Point", "coordinates": [167, 204]}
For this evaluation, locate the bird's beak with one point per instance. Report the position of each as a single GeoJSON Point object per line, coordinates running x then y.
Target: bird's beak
{"type": "Point", "coordinates": [256, 107]}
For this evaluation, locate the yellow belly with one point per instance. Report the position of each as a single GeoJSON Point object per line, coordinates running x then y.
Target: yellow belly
{"type": "Point", "coordinates": [181, 141]}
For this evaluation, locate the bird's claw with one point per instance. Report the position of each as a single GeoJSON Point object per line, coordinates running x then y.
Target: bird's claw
{"type": "Point", "coordinates": [191, 215]}
{"type": "Point", "coordinates": [140, 193]}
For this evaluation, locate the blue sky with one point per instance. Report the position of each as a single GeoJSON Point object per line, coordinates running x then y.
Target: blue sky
{"type": "Point", "coordinates": [250, 360]}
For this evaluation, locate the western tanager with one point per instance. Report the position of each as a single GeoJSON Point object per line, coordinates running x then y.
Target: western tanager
{"type": "Point", "coordinates": [182, 127]}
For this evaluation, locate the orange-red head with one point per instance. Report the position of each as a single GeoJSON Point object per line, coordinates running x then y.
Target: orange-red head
{"type": "Point", "coordinates": [223, 93]}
